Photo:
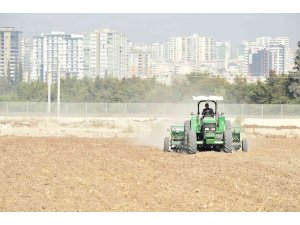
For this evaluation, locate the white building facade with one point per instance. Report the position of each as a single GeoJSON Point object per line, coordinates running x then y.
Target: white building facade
{"type": "Point", "coordinates": [91, 54]}
{"type": "Point", "coordinates": [277, 59]}
{"type": "Point", "coordinates": [139, 64]}
{"type": "Point", "coordinates": [223, 52]}
{"type": "Point", "coordinates": [51, 52]}
{"type": "Point", "coordinates": [280, 52]}
{"type": "Point", "coordinates": [105, 54]}
{"type": "Point", "coordinates": [11, 54]}
{"type": "Point", "coordinates": [157, 52]}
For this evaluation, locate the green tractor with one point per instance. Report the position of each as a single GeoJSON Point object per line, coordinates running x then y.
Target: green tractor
{"type": "Point", "coordinates": [205, 131]}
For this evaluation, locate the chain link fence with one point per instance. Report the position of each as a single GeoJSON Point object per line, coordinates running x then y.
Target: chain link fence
{"type": "Point", "coordinates": [42, 109]}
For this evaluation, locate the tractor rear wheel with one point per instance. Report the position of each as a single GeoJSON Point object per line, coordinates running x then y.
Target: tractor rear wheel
{"type": "Point", "coordinates": [244, 145]}
{"type": "Point", "coordinates": [227, 137]}
{"type": "Point", "coordinates": [167, 144]}
{"type": "Point", "coordinates": [187, 129]}
{"type": "Point", "coordinates": [191, 147]}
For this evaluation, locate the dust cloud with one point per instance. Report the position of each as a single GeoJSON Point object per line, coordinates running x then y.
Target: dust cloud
{"type": "Point", "coordinates": [153, 134]}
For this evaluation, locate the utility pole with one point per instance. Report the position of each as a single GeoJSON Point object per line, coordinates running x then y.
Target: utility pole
{"type": "Point", "coordinates": [49, 91]}
{"type": "Point", "coordinates": [58, 91]}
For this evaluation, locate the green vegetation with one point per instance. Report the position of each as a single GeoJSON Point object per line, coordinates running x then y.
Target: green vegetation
{"type": "Point", "coordinates": [276, 89]}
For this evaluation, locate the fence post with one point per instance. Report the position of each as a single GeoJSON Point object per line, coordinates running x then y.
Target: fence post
{"type": "Point", "coordinates": [125, 108]}
{"type": "Point", "coordinates": [86, 110]}
{"type": "Point", "coordinates": [165, 109]}
{"type": "Point", "coordinates": [27, 113]}
{"type": "Point", "coordinates": [66, 109]}
{"type": "Point", "coordinates": [106, 109]}
{"type": "Point", "coordinates": [262, 110]}
{"type": "Point", "coordinates": [281, 110]}
{"type": "Point", "coordinates": [242, 110]}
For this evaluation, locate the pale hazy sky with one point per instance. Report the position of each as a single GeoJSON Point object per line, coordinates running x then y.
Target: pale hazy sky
{"type": "Point", "coordinates": [155, 27]}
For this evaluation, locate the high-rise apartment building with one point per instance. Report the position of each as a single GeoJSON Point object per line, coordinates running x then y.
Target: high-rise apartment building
{"type": "Point", "coordinates": [11, 54]}
{"type": "Point", "coordinates": [129, 46]}
{"type": "Point", "coordinates": [192, 48]}
{"type": "Point", "coordinates": [255, 56]}
{"type": "Point", "coordinates": [277, 58]}
{"type": "Point", "coordinates": [223, 52]}
{"type": "Point", "coordinates": [141, 47]}
{"type": "Point", "coordinates": [250, 47]}
{"type": "Point", "coordinates": [264, 41]}
{"type": "Point", "coordinates": [163, 72]}
{"type": "Point", "coordinates": [177, 49]}
{"type": "Point", "coordinates": [74, 56]}
{"type": "Point", "coordinates": [26, 64]}
{"type": "Point", "coordinates": [260, 63]}
{"type": "Point", "coordinates": [209, 48]}
{"type": "Point", "coordinates": [200, 49]}
{"type": "Point", "coordinates": [167, 51]}
{"type": "Point", "coordinates": [291, 58]}
{"type": "Point", "coordinates": [51, 52]}
{"type": "Point", "coordinates": [240, 50]}
{"type": "Point", "coordinates": [105, 54]}
{"type": "Point", "coordinates": [285, 41]}
{"type": "Point", "coordinates": [267, 42]}
{"type": "Point", "coordinates": [139, 64]}
{"type": "Point", "coordinates": [37, 71]}
{"type": "Point", "coordinates": [157, 52]}
{"type": "Point", "coordinates": [91, 54]}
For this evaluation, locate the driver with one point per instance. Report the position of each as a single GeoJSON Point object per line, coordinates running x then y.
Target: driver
{"type": "Point", "coordinates": [207, 111]}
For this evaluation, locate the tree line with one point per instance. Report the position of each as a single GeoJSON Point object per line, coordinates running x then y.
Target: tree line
{"type": "Point", "coordinates": [279, 89]}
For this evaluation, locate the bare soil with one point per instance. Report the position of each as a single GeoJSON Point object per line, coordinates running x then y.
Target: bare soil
{"type": "Point", "coordinates": [115, 174]}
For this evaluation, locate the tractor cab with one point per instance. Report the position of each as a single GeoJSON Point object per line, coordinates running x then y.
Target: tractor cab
{"type": "Point", "coordinates": [208, 111]}
{"type": "Point", "coordinates": [209, 123]}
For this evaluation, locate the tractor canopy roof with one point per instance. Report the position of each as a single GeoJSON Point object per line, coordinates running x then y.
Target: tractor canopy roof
{"type": "Point", "coordinates": [208, 98]}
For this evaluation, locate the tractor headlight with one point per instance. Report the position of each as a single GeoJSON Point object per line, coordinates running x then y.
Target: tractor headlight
{"type": "Point", "coordinates": [209, 128]}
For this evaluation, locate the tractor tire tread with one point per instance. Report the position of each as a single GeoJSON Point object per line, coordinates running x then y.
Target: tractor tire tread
{"type": "Point", "coordinates": [191, 143]}
{"type": "Point", "coordinates": [244, 145]}
{"type": "Point", "coordinates": [228, 137]}
{"type": "Point", "coordinates": [167, 144]}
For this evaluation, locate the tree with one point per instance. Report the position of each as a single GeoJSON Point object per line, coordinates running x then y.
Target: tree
{"type": "Point", "coordinates": [238, 92]}
{"type": "Point", "coordinates": [292, 84]}
{"type": "Point", "coordinates": [260, 93]}
{"type": "Point", "coordinates": [277, 91]}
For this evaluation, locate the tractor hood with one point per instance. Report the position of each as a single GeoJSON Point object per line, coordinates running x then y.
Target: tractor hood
{"type": "Point", "coordinates": [208, 120]}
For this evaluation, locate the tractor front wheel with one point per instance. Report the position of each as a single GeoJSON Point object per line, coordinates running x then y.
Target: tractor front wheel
{"type": "Point", "coordinates": [167, 144]}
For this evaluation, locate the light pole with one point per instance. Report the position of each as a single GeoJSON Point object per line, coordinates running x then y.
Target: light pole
{"type": "Point", "coordinates": [49, 91]}
{"type": "Point", "coordinates": [58, 92]}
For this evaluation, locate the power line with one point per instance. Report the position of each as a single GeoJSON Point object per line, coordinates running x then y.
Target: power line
{"type": "Point", "coordinates": [236, 77]}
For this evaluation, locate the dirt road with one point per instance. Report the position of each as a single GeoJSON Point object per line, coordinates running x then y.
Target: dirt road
{"type": "Point", "coordinates": [103, 174]}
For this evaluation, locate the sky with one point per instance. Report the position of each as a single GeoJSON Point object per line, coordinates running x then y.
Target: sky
{"type": "Point", "coordinates": [154, 27]}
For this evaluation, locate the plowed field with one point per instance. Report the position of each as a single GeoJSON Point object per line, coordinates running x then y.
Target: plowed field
{"type": "Point", "coordinates": [105, 174]}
